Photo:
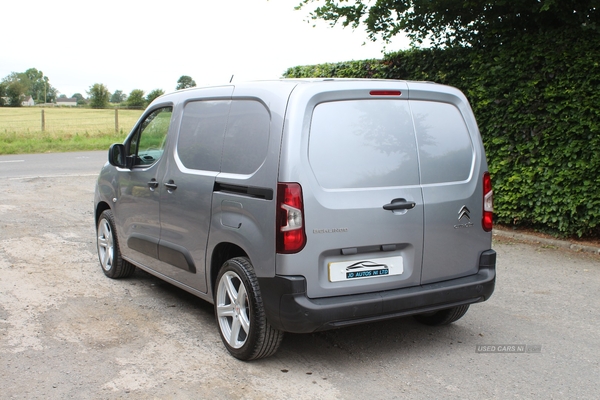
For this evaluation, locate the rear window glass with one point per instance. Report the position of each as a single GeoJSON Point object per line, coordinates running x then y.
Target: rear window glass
{"type": "Point", "coordinates": [201, 134]}
{"type": "Point", "coordinates": [445, 148]}
{"type": "Point", "coordinates": [247, 137]}
{"type": "Point", "coordinates": [363, 144]}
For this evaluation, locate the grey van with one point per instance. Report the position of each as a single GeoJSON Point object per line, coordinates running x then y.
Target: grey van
{"type": "Point", "coordinates": [304, 205]}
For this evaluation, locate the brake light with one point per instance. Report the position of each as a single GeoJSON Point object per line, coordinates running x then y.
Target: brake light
{"type": "Point", "coordinates": [291, 236]}
{"type": "Point", "coordinates": [488, 203]}
{"type": "Point", "coordinates": [385, 93]}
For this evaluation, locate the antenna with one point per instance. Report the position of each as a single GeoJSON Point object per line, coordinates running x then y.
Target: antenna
{"type": "Point", "coordinates": [231, 79]}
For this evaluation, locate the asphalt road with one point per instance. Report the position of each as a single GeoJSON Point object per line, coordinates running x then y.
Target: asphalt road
{"type": "Point", "coordinates": [66, 331]}
{"type": "Point", "coordinates": [52, 164]}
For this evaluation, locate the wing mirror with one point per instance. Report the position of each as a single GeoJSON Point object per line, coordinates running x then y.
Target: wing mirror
{"type": "Point", "coordinates": [117, 157]}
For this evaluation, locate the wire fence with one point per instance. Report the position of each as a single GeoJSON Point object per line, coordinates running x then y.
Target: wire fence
{"type": "Point", "coordinates": [67, 120]}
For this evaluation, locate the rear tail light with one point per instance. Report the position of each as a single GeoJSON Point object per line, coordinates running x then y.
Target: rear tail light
{"type": "Point", "coordinates": [488, 203]}
{"type": "Point", "coordinates": [291, 236]}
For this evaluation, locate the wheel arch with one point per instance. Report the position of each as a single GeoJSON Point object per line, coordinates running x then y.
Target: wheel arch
{"type": "Point", "coordinates": [221, 253]}
{"type": "Point", "coordinates": [100, 208]}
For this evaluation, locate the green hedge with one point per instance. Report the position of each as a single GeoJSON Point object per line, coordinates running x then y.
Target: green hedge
{"type": "Point", "coordinates": [537, 103]}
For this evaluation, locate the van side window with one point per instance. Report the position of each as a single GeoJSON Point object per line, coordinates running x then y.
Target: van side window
{"type": "Point", "coordinates": [363, 144]}
{"type": "Point", "coordinates": [445, 147]}
{"type": "Point", "coordinates": [247, 137]}
{"type": "Point", "coordinates": [147, 145]}
{"type": "Point", "coordinates": [200, 141]}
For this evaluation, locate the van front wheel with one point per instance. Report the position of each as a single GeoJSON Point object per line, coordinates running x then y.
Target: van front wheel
{"type": "Point", "coordinates": [109, 253]}
{"type": "Point", "coordinates": [443, 317]}
{"type": "Point", "coordinates": [240, 313]}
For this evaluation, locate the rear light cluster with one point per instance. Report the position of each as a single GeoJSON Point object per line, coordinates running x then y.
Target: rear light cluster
{"type": "Point", "coordinates": [488, 203]}
{"type": "Point", "coordinates": [291, 236]}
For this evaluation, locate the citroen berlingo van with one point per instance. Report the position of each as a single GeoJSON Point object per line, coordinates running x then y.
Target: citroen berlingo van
{"type": "Point", "coordinates": [304, 205]}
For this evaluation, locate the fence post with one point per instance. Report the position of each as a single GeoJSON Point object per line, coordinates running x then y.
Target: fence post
{"type": "Point", "coordinates": [116, 120]}
{"type": "Point", "coordinates": [43, 121]}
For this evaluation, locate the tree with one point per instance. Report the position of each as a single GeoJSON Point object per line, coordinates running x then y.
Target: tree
{"type": "Point", "coordinates": [80, 99]}
{"type": "Point", "coordinates": [474, 23]}
{"type": "Point", "coordinates": [35, 84]}
{"type": "Point", "coordinates": [136, 98]}
{"type": "Point", "coordinates": [38, 86]}
{"type": "Point", "coordinates": [15, 91]}
{"type": "Point", "coordinates": [185, 82]}
{"type": "Point", "coordinates": [99, 95]}
{"type": "Point", "coordinates": [50, 93]}
{"type": "Point", "coordinates": [154, 94]}
{"type": "Point", "coordinates": [2, 93]}
{"type": "Point", "coordinates": [118, 97]}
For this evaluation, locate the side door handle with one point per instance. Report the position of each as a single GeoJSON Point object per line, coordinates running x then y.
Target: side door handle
{"type": "Point", "coordinates": [171, 186]}
{"type": "Point", "coordinates": [153, 184]}
{"type": "Point", "coordinates": [399, 204]}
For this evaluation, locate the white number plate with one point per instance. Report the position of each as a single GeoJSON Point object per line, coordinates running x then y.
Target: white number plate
{"type": "Point", "coordinates": [365, 268]}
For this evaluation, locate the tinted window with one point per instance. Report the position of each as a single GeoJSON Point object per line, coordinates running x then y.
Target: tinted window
{"type": "Point", "coordinates": [363, 143]}
{"type": "Point", "coordinates": [247, 137]}
{"type": "Point", "coordinates": [200, 140]}
{"type": "Point", "coordinates": [445, 149]}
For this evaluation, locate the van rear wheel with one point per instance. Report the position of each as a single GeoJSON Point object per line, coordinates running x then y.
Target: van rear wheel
{"type": "Point", "coordinates": [443, 317]}
{"type": "Point", "coordinates": [240, 313]}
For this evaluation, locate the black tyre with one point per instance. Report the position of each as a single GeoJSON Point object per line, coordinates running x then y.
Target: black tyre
{"type": "Point", "coordinates": [240, 313]}
{"type": "Point", "coordinates": [443, 317]}
{"type": "Point", "coordinates": [109, 254]}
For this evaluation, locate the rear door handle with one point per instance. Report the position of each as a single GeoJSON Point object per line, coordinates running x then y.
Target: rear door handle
{"type": "Point", "coordinates": [399, 204]}
{"type": "Point", "coordinates": [171, 186]}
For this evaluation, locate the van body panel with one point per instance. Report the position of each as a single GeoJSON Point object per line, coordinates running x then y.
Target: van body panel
{"type": "Point", "coordinates": [138, 213]}
{"type": "Point", "coordinates": [254, 191]}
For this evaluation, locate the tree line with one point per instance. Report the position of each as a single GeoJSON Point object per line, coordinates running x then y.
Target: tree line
{"type": "Point", "coordinates": [18, 86]}
{"type": "Point", "coordinates": [476, 24]}
{"type": "Point", "coordinates": [530, 70]}
{"type": "Point", "coordinates": [15, 87]}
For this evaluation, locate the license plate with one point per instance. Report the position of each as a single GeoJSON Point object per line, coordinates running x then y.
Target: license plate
{"type": "Point", "coordinates": [365, 268]}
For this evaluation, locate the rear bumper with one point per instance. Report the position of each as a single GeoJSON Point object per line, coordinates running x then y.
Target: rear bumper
{"type": "Point", "coordinates": [289, 309]}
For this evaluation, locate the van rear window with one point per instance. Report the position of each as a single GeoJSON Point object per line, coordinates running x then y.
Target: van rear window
{"type": "Point", "coordinates": [445, 147]}
{"type": "Point", "coordinates": [387, 143]}
{"type": "Point", "coordinates": [363, 144]}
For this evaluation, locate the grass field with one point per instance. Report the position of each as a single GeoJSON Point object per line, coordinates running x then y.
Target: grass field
{"type": "Point", "coordinates": [65, 129]}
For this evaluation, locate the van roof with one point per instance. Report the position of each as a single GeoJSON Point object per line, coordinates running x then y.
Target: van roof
{"type": "Point", "coordinates": [286, 85]}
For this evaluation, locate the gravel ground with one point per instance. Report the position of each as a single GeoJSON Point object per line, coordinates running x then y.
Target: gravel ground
{"type": "Point", "coordinates": [67, 331]}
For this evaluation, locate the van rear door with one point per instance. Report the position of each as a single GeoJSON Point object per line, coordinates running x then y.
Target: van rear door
{"type": "Point", "coordinates": [452, 163]}
{"type": "Point", "coordinates": [363, 207]}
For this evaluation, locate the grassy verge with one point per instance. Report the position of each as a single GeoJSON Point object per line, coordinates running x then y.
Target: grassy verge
{"type": "Point", "coordinates": [64, 129]}
{"type": "Point", "coordinates": [44, 142]}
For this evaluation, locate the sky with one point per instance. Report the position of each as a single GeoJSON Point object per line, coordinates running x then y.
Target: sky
{"type": "Point", "coordinates": [131, 44]}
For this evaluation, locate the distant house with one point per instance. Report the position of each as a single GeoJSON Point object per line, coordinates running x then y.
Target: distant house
{"type": "Point", "coordinates": [63, 101]}
{"type": "Point", "coordinates": [28, 102]}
